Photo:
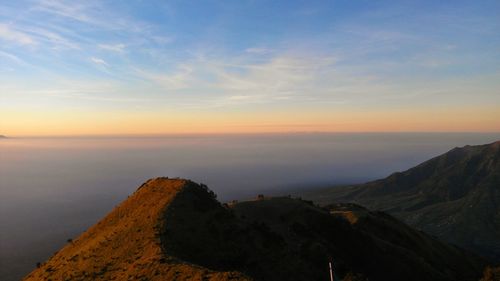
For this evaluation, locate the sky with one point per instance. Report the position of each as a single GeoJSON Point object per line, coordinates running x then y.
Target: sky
{"type": "Point", "coordinates": [159, 67]}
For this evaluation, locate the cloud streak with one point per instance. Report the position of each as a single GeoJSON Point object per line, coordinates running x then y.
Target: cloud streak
{"type": "Point", "coordinates": [317, 57]}
{"type": "Point", "coordinates": [8, 33]}
{"type": "Point", "coordinates": [12, 57]}
{"type": "Point", "coordinates": [99, 61]}
{"type": "Point", "coordinates": [118, 48]}
{"type": "Point", "coordinates": [71, 10]}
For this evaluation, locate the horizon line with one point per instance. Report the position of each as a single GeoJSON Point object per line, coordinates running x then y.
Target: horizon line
{"type": "Point", "coordinates": [153, 135]}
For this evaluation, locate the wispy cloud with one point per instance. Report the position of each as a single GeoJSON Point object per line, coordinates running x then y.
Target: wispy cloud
{"type": "Point", "coordinates": [280, 76]}
{"type": "Point", "coordinates": [52, 38]}
{"type": "Point", "coordinates": [8, 33]}
{"type": "Point", "coordinates": [81, 89]}
{"type": "Point", "coordinates": [241, 97]}
{"type": "Point", "coordinates": [320, 57]}
{"type": "Point", "coordinates": [99, 61]}
{"type": "Point", "coordinates": [162, 40]}
{"type": "Point", "coordinates": [182, 78]}
{"type": "Point", "coordinates": [118, 48]}
{"type": "Point", "coordinates": [72, 10]}
{"type": "Point", "coordinates": [12, 57]}
{"type": "Point", "coordinates": [225, 81]}
{"type": "Point", "coordinates": [257, 50]}
{"type": "Point", "coordinates": [92, 13]}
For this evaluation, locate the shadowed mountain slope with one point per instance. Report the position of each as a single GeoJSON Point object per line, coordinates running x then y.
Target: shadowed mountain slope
{"type": "Point", "coordinates": [370, 245]}
{"type": "Point", "coordinates": [172, 229]}
{"type": "Point", "coordinates": [455, 196]}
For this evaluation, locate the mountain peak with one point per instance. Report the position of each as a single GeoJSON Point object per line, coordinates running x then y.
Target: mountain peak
{"type": "Point", "coordinates": [126, 244]}
{"type": "Point", "coordinates": [175, 229]}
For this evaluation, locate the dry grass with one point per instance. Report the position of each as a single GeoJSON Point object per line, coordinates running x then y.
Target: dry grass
{"type": "Point", "coordinates": [125, 245]}
{"type": "Point", "coordinates": [173, 229]}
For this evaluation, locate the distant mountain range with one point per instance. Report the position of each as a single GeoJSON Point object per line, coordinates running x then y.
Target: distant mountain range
{"type": "Point", "coordinates": [174, 229]}
{"type": "Point", "coordinates": [455, 197]}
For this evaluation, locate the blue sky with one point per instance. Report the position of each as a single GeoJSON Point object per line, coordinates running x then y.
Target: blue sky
{"type": "Point", "coordinates": [321, 62]}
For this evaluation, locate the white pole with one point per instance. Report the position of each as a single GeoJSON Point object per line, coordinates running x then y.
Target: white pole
{"type": "Point", "coordinates": [331, 271]}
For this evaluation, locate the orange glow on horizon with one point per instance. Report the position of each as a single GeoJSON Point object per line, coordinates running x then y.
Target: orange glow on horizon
{"type": "Point", "coordinates": [116, 123]}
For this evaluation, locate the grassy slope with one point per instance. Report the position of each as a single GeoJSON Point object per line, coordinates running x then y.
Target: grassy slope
{"type": "Point", "coordinates": [455, 196]}
{"type": "Point", "coordinates": [176, 230]}
{"type": "Point", "coordinates": [125, 245]}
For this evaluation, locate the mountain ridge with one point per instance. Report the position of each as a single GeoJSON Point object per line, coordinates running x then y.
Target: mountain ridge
{"type": "Point", "coordinates": [125, 244]}
{"type": "Point", "coordinates": [454, 196]}
{"type": "Point", "coordinates": [175, 229]}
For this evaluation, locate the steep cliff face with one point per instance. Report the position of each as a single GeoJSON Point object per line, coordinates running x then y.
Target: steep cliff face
{"type": "Point", "coordinates": [455, 196]}
{"type": "Point", "coordinates": [173, 229]}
